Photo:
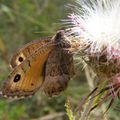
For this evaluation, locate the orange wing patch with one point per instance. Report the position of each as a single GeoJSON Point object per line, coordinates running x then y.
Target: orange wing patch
{"type": "Point", "coordinates": [27, 77]}
{"type": "Point", "coordinates": [27, 50]}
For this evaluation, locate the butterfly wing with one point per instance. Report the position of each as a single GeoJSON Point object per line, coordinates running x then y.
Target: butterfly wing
{"type": "Point", "coordinates": [58, 71]}
{"type": "Point", "coordinates": [59, 68]}
{"type": "Point", "coordinates": [27, 77]}
{"type": "Point", "coordinates": [27, 50]}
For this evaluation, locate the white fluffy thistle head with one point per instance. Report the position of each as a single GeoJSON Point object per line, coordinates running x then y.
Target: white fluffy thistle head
{"type": "Point", "coordinates": [98, 22]}
{"type": "Point", "coordinates": [94, 26]}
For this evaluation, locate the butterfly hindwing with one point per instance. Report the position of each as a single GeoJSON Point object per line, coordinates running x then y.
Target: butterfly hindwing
{"type": "Point", "coordinates": [59, 68]}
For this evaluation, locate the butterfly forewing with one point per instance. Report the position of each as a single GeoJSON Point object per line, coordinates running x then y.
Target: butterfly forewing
{"type": "Point", "coordinates": [27, 77]}
{"type": "Point", "coordinates": [27, 50]}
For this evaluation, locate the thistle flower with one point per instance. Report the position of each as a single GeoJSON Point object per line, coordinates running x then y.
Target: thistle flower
{"type": "Point", "coordinates": [95, 27]}
{"type": "Point", "coordinates": [97, 22]}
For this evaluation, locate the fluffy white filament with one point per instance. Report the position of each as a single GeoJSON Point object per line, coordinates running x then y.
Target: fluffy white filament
{"type": "Point", "coordinates": [97, 21]}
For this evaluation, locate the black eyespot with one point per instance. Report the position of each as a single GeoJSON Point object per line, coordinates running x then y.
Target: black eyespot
{"type": "Point", "coordinates": [20, 59]}
{"type": "Point", "coordinates": [17, 78]}
{"type": "Point", "coordinates": [32, 84]}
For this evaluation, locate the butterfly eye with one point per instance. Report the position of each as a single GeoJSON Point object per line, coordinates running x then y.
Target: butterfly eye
{"type": "Point", "coordinates": [17, 78]}
{"type": "Point", "coordinates": [20, 59]}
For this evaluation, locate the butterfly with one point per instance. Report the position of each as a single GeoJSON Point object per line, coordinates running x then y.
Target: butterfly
{"type": "Point", "coordinates": [43, 64]}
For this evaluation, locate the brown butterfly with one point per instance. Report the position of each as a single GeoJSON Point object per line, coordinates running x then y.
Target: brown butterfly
{"type": "Point", "coordinates": [46, 64]}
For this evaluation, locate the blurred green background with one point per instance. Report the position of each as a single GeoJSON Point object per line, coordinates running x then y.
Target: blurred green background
{"type": "Point", "coordinates": [22, 21]}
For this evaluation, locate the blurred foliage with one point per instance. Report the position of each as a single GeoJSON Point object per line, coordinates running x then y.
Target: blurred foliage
{"type": "Point", "coordinates": [22, 21]}
{"type": "Point", "coordinates": [69, 110]}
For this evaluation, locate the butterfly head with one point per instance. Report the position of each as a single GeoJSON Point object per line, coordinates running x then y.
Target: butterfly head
{"type": "Point", "coordinates": [61, 41]}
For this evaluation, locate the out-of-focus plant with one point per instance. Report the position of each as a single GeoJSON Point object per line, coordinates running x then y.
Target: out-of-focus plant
{"type": "Point", "coordinates": [69, 110]}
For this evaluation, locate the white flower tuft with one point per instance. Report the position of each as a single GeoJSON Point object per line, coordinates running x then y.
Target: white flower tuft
{"type": "Point", "coordinates": [98, 22]}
